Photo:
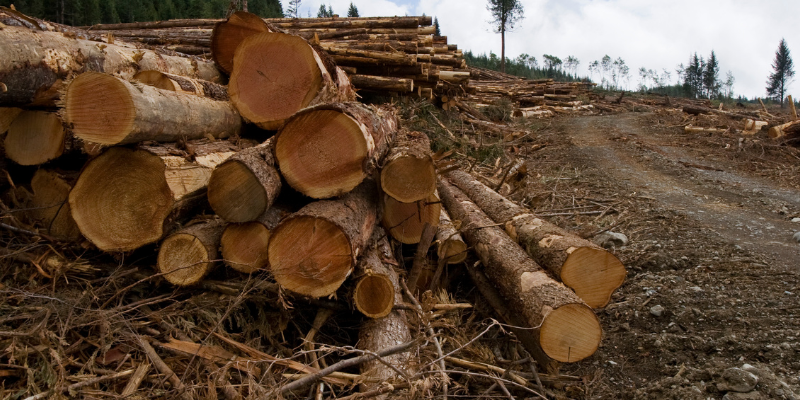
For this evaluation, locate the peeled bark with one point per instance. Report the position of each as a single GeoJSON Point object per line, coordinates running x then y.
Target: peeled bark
{"type": "Point", "coordinates": [245, 246]}
{"type": "Point", "coordinates": [35, 137]}
{"type": "Point", "coordinates": [181, 84]}
{"type": "Point", "coordinates": [35, 64]}
{"type": "Point", "coordinates": [276, 75]}
{"type": "Point", "coordinates": [50, 206]}
{"type": "Point", "coordinates": [409, 174]}
{"type": "Point", "coordinates": [244, 187]}
{"type": "Point", "coordinates": [314, 250]}
{"type": "Point", "coordinates": [374, 293]}
{"type": "Point", "coordinates": [568, 329]}
{"type": "Point", "coordinates": [382, 84]}
{"type": "Point", "coordinates": [328, 150]}
{"type": "Point", "coordinates": [127, 198]}
{"type": "Point", "coordinates": [228, 35]}
{"type": "Point", "coordinates": [185, 257]}
{"type": "Point", "coordinates": [451, 247]}
{"type": "Point", "coordinates": [7, 116]}
{"type": "Point", "coordinates": [591, 271]}
{"type": "Point", "coordinates": [406, 221]}
{"type": "Point", "coordinates": [104, 109]}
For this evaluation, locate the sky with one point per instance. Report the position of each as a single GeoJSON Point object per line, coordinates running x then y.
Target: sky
{"type": "Point", "coordinates": [655, 34]}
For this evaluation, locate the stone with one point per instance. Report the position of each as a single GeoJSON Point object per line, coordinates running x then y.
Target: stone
{"type": "Point", "coordinates": [609, 239]}
{"type": "Point", "coordinates": [795, 220]}
{"type": "Point", "coordinates": [744, 396]}
{"type": "Point", "coordinates": [657, 310]}
{"type": "Point", "coordinates": [797, 237]}
{"type": "Point", "coordinates": [737, 380]}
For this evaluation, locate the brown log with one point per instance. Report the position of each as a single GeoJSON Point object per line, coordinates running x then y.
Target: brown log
{"type": "Point", "coordinates": [185, 257]}
{"type": "Point", "coordinates": [7, 116]}
{"type": "Point", "coordinates": [34, 65]}
{"type": "Point", "coordinates": [50, 206]}
{"type": "Point", "coordinates": [697, 110]}
{"type": "Point", "coordinates": [375, 292]}
{"type": "Point", "coordinates": [127, 198]}
{"type": "Point", "coordinates": [244, 246]}
{"type": "Point", "coordinates": [275, 75]}
{"type": "Point", "coordinates": [176, 83]}
{"type": "Point", "coordinates": [243, 188]}
{"type": "Point", "coordinates": [353, 23]}
{"type": "Point", "coordinates": [327, 150]}
{"type": "Point", "coordinates": [406, 221]}
{"type": "Point", "coordinates": [779, 131]}
{"type": "Point", "coordinates": [314, 250]}
{"type": "Point", "coordinates": [450, 245]}
{"type": "Point", "coordinates": [381, 83]}
{"type": "Point", "coordinates": [592, 272]}
{"type": "Point", "coordinates": [228, 35]}
{"type": "Point", "coordinates": [142, 112]}
{"type": "Point", "coordinates": [568, 329]}
{"type": "Point", "coordinates": [35, 137]}
{"type": "Point", "coordinates": [751, 126]}
{"type": "Point", "coordinates": [409, 174]}
{"type": "Point", "coordinates": [454, 76]}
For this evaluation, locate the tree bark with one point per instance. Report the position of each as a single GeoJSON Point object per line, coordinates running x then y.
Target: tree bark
{"type": "Point", "coordinates": [406, 221]}
{"type": "Point", "coordinates": [229, 34]}
{"type": "Point", "coordinates": [409, 174]}
{"type": "Point", "coordinates": [327, 150]}
{"type": "Point", "coordinates": [568, 329]}
{"type": "Point", "coordinates": [188, 255]}
{"type": "Point", "coordinates": [243, 188]}
{"type": "Point", "coordinates": [127, 198]}
{"type": "Point", "coordinates": [35, 137]}
{"type": "Point", "coordinates": [182, 84]}
{"type": "Point", "coordinates": [50, 206]}
{"type": "Point", "coordinates": [592, 272]}
{"type": "Point", "coordinates": [244, 246]}
{"type": "Point", "coordinates": [314, 250]}
{"type": "Point", "coordinates": [451, 247]}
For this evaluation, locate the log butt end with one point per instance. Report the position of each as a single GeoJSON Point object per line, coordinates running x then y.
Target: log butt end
{"type": "Point", "coordinates": [409, 179]}
{"type": "Point", "coordinates": [452, 251]}
{"type": "Point", "coordinates": [183, 259]}
{"type": "Point", "coordinates": [374, 295]}
{"type": "Point", "coordinates": [35, 137]}
{"type": "Point", "coordinates": [156, 79]}
{"type": "Point", "coordinates": [227, 36]}
{"type": "Point", "coordinates": [570, 333]}
{"type": "Point", "coordinates": [235, 193]}
{"type": "Point", "coordinates": [594, 274]}
{"type": "Point", "coordinates": [405, 221]}
{"type": "Point", "coordinates": [99, 108]}
{"type": "Point", "coordinates": [244, 246]}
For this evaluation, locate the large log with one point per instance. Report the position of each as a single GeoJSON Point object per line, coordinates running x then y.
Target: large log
{"type": "Point", "coordinates": [409, 174]}
{"type": "Point", "coordinates": [7, 116]}
{"type": "Point", "coordinates": [185, 257]}
{"type": "Point", "coordinates": [228, 35]}
{"type": "Point", "coordinates": [244, 246]}
{"type": "Point", "coordinates": [568, 329]}
{"type": "Point", "coordinates": [49, 205]}
{"type": "Point", "coordinates": [34, 65]}
{"type": "Point", "coordinates": [244, 187]}
{"type": "Point", "coordinates": [35, 137]}
{"type": "Point", "coordinates": [592, 272]}
{"type": "Point", "coordinates": [314, 250]}
{"type": "Point", "coordinates": [105, 109]}
{"type": "Point", "coordinates": [182, 84]}
{"type": "Point", "coordinates": [127, 198]}
{"type": "Point", "coordinates": [406, 221]}
{"type": "Point", "coordinates": [788, 129]}
{"type": "Point", "coordinates": [328, 150]}
{"type": "Point", "coordinates": [276, 75]}
{"type": "Point", "coordinates": [451, 248]}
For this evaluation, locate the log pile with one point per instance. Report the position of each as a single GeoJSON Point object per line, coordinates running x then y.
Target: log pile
{"type": "Point", "coordinates": [157, 166]}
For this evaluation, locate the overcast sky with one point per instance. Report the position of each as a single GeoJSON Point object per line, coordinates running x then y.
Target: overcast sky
{"type": "Point", "coordinates": [654, 34]}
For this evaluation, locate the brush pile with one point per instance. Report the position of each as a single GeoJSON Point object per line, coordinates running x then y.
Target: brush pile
{"type": "Point", "coordinates": [166, 235]}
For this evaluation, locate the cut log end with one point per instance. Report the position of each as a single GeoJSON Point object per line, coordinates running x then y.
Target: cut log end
{"type": "Point", "coordinates": [409, 179]}
{"type": "Point", "coordinates": [99, 108]}
{"type": "Point", "coordinates": [570, 333]}
{"type": "Point", "coordinates": [183, 259]}
{"type": "Point", "coordinates": [274, 76]}
{"type": "Point", "coordinates": [321, 153]}
{"type": "Point", "coordinates": [121, 199]}
{"type": "Point", "coordinates": [310, 256]}
{"type": "Point", "coordinates": [405, 221]}
{"type": "Point", "coordinates": [594, 274]}
{"type": "Point", "coordinates": [235, 193]}
{"type": "Point", "coordinates": [452, 251]}
{"type": "Point", "coordinates": [50, 207]}
{"type": "Point", "coordinates": [35, 137]}
{"type": "Point", "coordinates": [374, 295]}
{"type": "Point", "coordinates": [244, 246]}
{"type": "Point", "coordinates": [156, 79]}
{"type": "Point", "coordinates": [227, 36]}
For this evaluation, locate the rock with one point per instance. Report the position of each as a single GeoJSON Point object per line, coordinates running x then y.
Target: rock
{"type": "Point", "coordinates": [657, 310]}
{"type": "Point", "coordinates": [744, 396]}
{"type": "Point", "coordinates": [737, 380]}
{"type": "Point", "coordinates": [795, 220]}
{"type": "Point", "coordinates": [611, 239]}
{"type": "Point", "coordinates": [797, 237]}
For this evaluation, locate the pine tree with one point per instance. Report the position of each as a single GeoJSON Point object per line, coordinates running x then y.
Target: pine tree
{"type": "Point", "coordinates": [504, 14]}
{"type": "Point", "coordinates": [293, 10]}
{"type": "Point", "coordinates": [330, 11]}
{"type": "Point", "coordinates": [322, 12]}
{"type": "Point", "coordinates": [711, 82]}
{"type": "Point", "coordinates": [352, 11]}
{"type": "Point", "coordinates": [783, 73]}
{"type": "Point", "coordinates": [436, 26]}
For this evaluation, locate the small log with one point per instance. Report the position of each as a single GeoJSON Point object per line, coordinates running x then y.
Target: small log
{"type": "Point", "coordinates": [454, 76]}
{"type": "Point", "coordinates": [7, 116]}
{"type": "Point", "coordinates": [228, 35]}
{"type": "Point", "coordinates": [381, 83]}
{"type": "Point", "coordinates": [406, 221]}
{"type": "Point", "coordinates": [35, 137]}
{"type": "Point", "coordinates": [188, 255]}
{"type": "Point", "coordinates": [314, 250]}
{"type": "Point", "coordinates": [697, 110]}
{"type": "Point", "coordinates": [127, 198]}
{"type": "Point", "coordinates": [409, 174]}
{"type": "Point", "coordinates": [244, 246]}
{"type": "Point", "coordinates": [792, 108]}
{"type": "Point", "coordinates": [568, 329]}
{"type": "Point", "coordinates": [592, 272]}
{"type": "Point", "coordinates": [450, 245]}
{"type": "Point", "coordinates": [244, 187]}
{"type": "Point", "coordinates": [142, 112]}
{"type": "Point", "coordinates": [275, 75]}
{"type": "Point", "coordinates": [176, 83]}
{"type": "Point", "coordinates": [779, 131]}
{"type": "Point", "coordinates": [751, 127]}
{"type": "Point", "coordinates": [327, 150]}
{"type": "Point", "coordinates": [50, 206]}
{"type": "Point", "coordinates": [697, 129]}
{"type": "Point", "coordinates": [375, 292]}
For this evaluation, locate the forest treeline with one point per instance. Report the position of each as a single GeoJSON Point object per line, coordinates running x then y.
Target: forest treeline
{"type": "Point", "coordinates": [90, 12]}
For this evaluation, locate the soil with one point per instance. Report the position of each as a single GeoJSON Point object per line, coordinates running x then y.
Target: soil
{"type": "Point", "coordinates": [708, 220]}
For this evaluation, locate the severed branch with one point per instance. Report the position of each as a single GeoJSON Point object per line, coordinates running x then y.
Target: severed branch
{"type": "Point", "coordinates": [436, 344]}
{"type": "Point", "coordinates": [76, 386]}
{"type": "Point", "coordinates": [162, 367]}
{"type": "Point", "coordinates": [420, 258]}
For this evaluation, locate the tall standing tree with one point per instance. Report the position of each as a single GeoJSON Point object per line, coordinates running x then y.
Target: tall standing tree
{"type": "Point", "coordinates": [322, 12]}
{"type": "Point", "coordinates": [436, 26]}
{"type": "Point", "coordinates": [711, 82]}
{"type": "Point", "coordinates": [293, 10]}
{"type": "Point", "coordinates": [783, 73]}
{"type": "Point", "coordinates": [505, 13]}
{"type": "Point", "coordinates": [352, 11]}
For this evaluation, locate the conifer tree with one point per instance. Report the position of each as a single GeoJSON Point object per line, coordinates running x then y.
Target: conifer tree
{"type": "Point", "coordinates": [505, 13]}
{"type": "Point", "coordinates": [352, 11]}
{"type": "Point", "coordinates": [783, 73]}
